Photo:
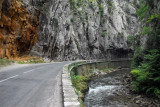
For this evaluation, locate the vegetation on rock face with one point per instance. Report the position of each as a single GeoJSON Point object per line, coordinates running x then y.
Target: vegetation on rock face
{"type": "Point", "coordinates": [18, 29]}
{"type": "Point", "coordinates": [146, 60]}
{"type": "Point", "coordinates": [80, 83]}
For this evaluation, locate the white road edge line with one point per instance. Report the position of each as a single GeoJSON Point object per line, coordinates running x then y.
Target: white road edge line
{"type": "Point", "coordinates": [32, 70]}
{"type": "Point", "coordinates": [28, 71]}
{"type": "Point", "coordinates": [9, 78]}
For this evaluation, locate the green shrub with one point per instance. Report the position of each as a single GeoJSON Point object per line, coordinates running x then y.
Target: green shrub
{"type": "Point", "coordinates": [146, 30]}
{"type": "Point", "coordinates": [131, 39]}
{"type": "Point", "coordinates": [135, 72]}
{"type": "Point", "coordinates": [147, 60]}
{"type": "Point", "coordinates": [91, 5]}
{"type": "Point", "coordinates": [101, 9]}
{"type": "Point", "coordinates": [107, 69]}
{"type": "Point", "coordinates": [138, 57]}
{"type": "Point", "coordinates": [111, 7]}
{"type": "Point", "coordinates": [147, 79]}
{"type": "Point", "coordinates": [104, 33]}
{"type": "Point", "coordinates": [80, 83]}
{"type": "Point", "coordinates": [143, 10]}
{"type": "Point", "coordinates": [91, 70]}
{"type": "Point", "coordinates": [135, 86]}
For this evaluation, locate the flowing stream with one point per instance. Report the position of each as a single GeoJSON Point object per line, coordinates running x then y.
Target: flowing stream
{"type": "Point", "coordinates": [109, 91]}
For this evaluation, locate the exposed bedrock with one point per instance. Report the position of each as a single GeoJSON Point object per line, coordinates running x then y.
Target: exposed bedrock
{"type": "Point", "coordinates": [69, 29]}
{"type": "Point", "coordinates": [18, 28]}
{"type": "Point", "coordinates": [85, 29]}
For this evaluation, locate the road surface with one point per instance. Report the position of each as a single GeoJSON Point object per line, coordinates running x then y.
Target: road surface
{"type": "Point", "coordinates": [36, 85]}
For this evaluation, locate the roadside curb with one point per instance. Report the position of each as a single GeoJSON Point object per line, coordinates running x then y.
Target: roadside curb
{"type": "Point", "coordinates": [69, 95]}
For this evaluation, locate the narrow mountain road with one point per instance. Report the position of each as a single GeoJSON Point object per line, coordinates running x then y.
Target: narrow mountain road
{"type": "Point", "coordinates": [36, 85]}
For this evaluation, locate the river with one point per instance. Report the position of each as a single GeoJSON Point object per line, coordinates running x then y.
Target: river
{"type": "Point", "coordinates": [109, 91]}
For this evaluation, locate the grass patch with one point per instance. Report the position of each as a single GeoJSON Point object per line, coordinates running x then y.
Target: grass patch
{"type": "Point", "coordinates": [80, 84]}
{"type": "Point", "coordinates": [5, 62]}
{"type": "Point", "coordinates": [21, 60]}
{"type": "Point", "coordinates": [107, 69]}
{"type": "Point", "coordinates": [29, 60]}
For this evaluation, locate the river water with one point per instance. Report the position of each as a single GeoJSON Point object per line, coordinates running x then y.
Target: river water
{"type": "Point", "coordinates": [109, 91]}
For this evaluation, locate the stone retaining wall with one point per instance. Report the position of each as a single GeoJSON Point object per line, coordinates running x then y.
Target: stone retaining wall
{"type": "Point", "coordinates": [69, 95]}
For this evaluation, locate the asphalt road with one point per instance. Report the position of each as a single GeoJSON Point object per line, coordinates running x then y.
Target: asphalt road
{"type": "Point", "coordinates": [36, 85]}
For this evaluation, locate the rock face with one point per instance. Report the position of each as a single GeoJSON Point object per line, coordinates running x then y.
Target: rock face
{"type": "Point", "coordinates": [85, 29]}
{"type": "Point", "coordinates": [70, 29]}
{"type": "Point", "coordinates": [18, 29]}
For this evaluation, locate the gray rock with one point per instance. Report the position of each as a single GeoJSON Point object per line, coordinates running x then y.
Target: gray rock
{"type": "Point", "coordinates": [91, 30]}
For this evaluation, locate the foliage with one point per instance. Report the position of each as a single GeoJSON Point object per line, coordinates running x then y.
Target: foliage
{"type": "Point", "coordinates": [146, 30]}
{"type": "Point", "coordinates": [72, 3]}
{"type": "Point", "coordinates": [135, 72]}
{"type": "Point", "coordinates": [131, 40]}
{"type": "Point", "coordinates": [28, 60]}
{"type": "Point", "coordinates": [153, 18]}
{"type": "Point", "coordinates": [146, 61]}
{"type": "Point", "coordinates": [21, 60]}
{"type": "Point", "coordinates": [80, 83]}
{"type": "Point", "coordinates": [104, 33]}
{"type": "Point", "coordinates": [4, 62]}
{"type": "Point", "coordinates": [91, 5]}
{"type": "Point", "coordinates": [143, 11]}
{"type": "Point", "coordinates": [72, 20]}
{"type": "Point", "coordinates": [110, 7]}
{"type": "Point", "coordinates": [147, 79]}
{"type": "Point", "coordinates": [91, 70]}
{"type": "Point", "coordinates": [138, 57]}
{"type": "Point", "coordinates": [101, 9]}
{"type": "Point", "coordinates": [107, 70]}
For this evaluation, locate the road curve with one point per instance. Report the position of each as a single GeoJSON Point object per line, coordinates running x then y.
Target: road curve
{"type": "Point", "coordinates": [36, 85]}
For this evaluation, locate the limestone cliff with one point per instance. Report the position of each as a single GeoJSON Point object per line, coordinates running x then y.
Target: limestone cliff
{"type": "Point", "coordinates": [85, 29]}
{"type": "Point", "coordinates": [69, 29]}
{"type": "Point", "coordinates": [18, 28]}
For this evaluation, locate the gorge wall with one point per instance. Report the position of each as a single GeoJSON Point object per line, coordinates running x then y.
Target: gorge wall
{"type": "Point", "coordinates": [18, 28]}
{"type": "Point", "coordinates": [79, 29]}
{"type": "Point", "coordinates": [85, 29]}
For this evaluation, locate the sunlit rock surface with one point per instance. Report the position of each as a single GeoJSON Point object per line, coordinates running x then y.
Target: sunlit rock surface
{"type": "Point", "coordinates": [18, 28]}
